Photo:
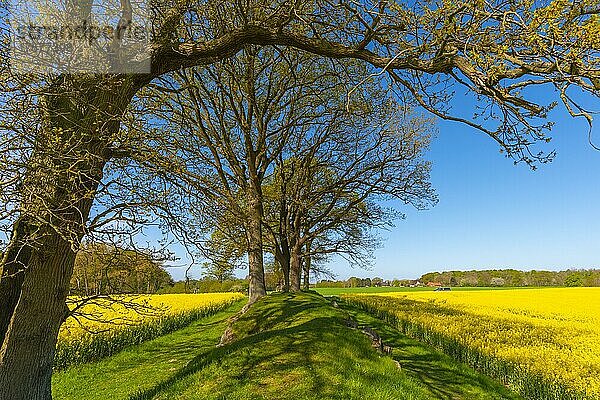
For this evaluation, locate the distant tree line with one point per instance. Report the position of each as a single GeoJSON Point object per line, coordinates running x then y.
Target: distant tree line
{"type": "Point", "coordinates": [207, 285]}
{"type": "Point", "coordinates": [485, 278]}
{"type": "Point", "coordinates": [105, 269]}
{"type": "Point", "coordinates": [512, 277]}
{"type": "Point", "coordinates": [361, 282]}
{"type": "Point", "coordinates": [102, 269]}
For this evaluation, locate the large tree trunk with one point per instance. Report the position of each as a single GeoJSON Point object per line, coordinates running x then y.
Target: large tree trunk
{"type": "Point", "coordinates": [257, 287]}
{"type": "Point", "coordinates": [66, 166]}
{"type": "Point", "coordinates": [295, 268]}
{"type": "Point", "coordinates": [12, 274]}
{"type": "Point", "coordinates": [282, 254]}
{"type": "Point", "coordinates": [307, 262]}
{"type": "Point", "coordinates": [28, 350]}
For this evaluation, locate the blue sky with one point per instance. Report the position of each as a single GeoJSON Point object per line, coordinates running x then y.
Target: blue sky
{"type": "Point", "coordinates": [494, 214]}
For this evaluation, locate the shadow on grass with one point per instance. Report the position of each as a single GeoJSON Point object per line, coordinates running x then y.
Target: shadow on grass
{"type": "Point", "coordinates": [177, 348]}
{"type": "Point", "coordinates": [443, 377]}
{"type": "Point", "coordinates": [294, 343]}
{"type": "Point", "coordinates": [278, 309]}
{"type": "Point", "coordinates": [299, 344]}
{"type": "Point", "coordinates": [284, 337]}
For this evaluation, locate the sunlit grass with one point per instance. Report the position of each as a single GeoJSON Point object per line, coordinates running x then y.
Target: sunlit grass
{"type": "Point", "coordinates": [291, 347]}
{"type": "Point", "coordinates": [107, 326]}
{"type": "Point", "coordinates": [140, 367]}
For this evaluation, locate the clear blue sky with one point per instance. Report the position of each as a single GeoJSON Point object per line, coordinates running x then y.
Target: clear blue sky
{"type": "Point", "coordinates": [493, 214]}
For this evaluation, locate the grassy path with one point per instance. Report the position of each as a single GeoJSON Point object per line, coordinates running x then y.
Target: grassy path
{"type": "Point", "coordinates": [442, 377]}
{"type": "Point", "coordinates": [141, 367]}
{"type": "Point", "coordinates": [289, 347]}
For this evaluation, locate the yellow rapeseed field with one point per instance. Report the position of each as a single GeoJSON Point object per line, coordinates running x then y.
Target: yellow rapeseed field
{"type": "Point", "coordinates": [553, 332]}
{"type": "Point", "coordinates": [104, 315]}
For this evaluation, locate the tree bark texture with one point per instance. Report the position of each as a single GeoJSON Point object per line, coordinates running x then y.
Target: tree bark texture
{"type": "Point", "coordinates": [282, 254]}
{"type": "Point", "coordinates": [296, 268]}
{"type": "Point", "coordinates": [65, 168]}
{"type": "Point", "coordinates": [257, 287]}
{"type": "Point", "coordinates": [12, 274]}
{"type": "Point", "coordinates": [307, 262]}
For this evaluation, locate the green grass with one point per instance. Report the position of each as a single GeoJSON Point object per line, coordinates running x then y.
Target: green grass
{"type": "Point", "coordinates": [288, 347]}
{"type": "Point", "coordinates": [443, 377]}
{"type": "Point", "coordinates": [529, 385]}
{"type": "Point", "coordinates": [92, 347]}
{"type": "Point", "coordinates": [140, 367]}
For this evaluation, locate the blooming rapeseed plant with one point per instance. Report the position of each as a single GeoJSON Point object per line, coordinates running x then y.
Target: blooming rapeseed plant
{"type": "Point", "coordinates": [552, 333]}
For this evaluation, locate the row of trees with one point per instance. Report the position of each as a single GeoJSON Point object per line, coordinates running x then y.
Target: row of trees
{"type": "Point", "coordinates": [481, 278]}
{"type": "Point", "coordinates": [206, 285]}
{"type": "Point", "coordinates": [511, 277]}
{"type": "Point", "coordinates": [102, 269]}
{"type": "Point", "coordinates": [355, 282]}
{"type": "Point", "coordinates": [277, 159]}
{"type": "Point", "coordinates": [201, 141]}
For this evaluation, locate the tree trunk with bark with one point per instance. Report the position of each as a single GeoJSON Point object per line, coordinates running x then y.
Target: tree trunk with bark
{"type": "Point", "coordinates": [307, 266]}
{"type": "Point", "coordinates": [282, 255]}
{"type": "Point", "coordinates": [27, 353]}
{"type": "Point", "coordinates": [295, 268]}
{"type": "Point", "coordinates": [257, 287]}
{"type": "Point", "coordinates": [65, 168]}
{"type": "Point", "coordinates": [12, 274]}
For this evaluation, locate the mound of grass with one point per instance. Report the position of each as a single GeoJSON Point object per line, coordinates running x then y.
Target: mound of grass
{"type": "Point", "coordinates": [286, 347]}
{"type": "Point", "coordinates": [291, 347]}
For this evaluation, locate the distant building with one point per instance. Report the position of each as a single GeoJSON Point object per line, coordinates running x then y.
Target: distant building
{"type": "Point", "coordinates": [434, 284]}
